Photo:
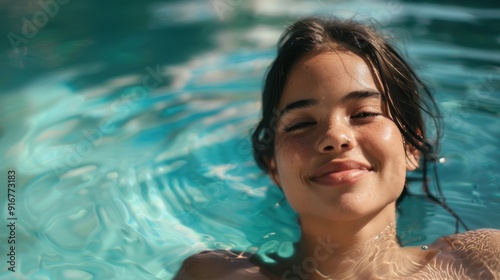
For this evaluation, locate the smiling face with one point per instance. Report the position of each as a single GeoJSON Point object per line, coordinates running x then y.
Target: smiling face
{"type": "Point", "coordinates": [338, 155]}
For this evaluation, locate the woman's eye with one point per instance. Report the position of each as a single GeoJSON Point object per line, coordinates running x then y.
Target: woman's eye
{"type": "Point", "coordinates": [297, 126]}
{"type": "Point", "coordinates": [363, 115]}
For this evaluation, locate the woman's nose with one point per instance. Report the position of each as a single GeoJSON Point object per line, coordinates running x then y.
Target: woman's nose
{"type": "Point", "coordinates": [336, 137]}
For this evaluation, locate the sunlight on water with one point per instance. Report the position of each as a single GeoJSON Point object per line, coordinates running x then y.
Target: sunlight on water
{"type": "Point", "coordinates": [122, 176]}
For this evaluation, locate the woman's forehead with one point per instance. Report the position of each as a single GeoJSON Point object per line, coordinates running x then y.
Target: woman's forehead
{"type": "Point", "coordinates": [328, 74]}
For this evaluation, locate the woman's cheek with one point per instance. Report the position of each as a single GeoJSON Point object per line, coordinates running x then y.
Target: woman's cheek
{"type": "Point", "coordinates": [294, 153]}
{"type": "Point", "coordinates": [388, 132]}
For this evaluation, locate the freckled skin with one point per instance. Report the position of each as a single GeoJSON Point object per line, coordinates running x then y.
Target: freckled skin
{"type": "Point", "coordinates": [350, 212]}
{"type": "Point", "coordinates": [468, 256]}
{"type": "Point", "coordinates": [376, 141]}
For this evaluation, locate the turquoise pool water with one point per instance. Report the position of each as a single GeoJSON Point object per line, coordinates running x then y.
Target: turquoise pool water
{"type": "Point", "coordinates": [127, 126]}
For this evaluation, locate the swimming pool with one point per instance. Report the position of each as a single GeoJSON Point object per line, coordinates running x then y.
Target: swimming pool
{"type": "Point", "coordinates": [128, 131]}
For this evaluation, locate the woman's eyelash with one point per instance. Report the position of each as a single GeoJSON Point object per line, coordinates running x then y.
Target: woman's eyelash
{"type": "Point", "coordinates": [361, 115]}
{"type": "Point", "coordinates": [297, 126]}
{"type": "Point", "coordinates": [366, 115]}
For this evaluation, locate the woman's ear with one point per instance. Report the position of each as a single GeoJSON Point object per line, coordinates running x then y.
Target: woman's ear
{"type": "Point", "coordinates": [412, 154]}
{"type": "Point", "coordinates": [412, 157]}
{"type": "Point", "coordinates": [273, 170]}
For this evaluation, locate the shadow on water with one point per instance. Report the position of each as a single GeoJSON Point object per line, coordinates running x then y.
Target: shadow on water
{"type": "Point", "coordinates": [115, 33]}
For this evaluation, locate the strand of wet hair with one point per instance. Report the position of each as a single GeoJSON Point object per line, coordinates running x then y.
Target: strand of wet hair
{"type": "Point", "coordinates": [442, 200]}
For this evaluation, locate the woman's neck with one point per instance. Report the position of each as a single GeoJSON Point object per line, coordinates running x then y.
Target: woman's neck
{"type": "Point", "coordinates": [362, 248]}
{"type": "Point", "coordinates": [350, 233]}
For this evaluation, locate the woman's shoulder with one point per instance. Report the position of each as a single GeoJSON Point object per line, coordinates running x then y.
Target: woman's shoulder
{"type": "Point", "coordinates": [474, 241]}
{"type": "Point", "coordinates": [477, 250]}
{"type": "Point", "coordinates": [220, 264]}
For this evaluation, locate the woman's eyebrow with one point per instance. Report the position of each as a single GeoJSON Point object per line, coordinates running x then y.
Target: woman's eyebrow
{"type": "Point", "coordinates": [361, 94]}
{"type": "Point", "coordinates": [298, 105]}
{"type": "Point", "coordinates": [353, 95]}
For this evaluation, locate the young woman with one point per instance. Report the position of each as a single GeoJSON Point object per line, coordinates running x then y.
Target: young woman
{"type": "Point", "coordinates": [342, 124]}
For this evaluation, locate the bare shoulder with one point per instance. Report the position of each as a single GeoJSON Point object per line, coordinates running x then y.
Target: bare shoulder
{"type": "Point", "coordinates": [472, 242]}
{"type": "Point", "coordinates": [220, 264]}
{"type": "Point", "coordinates": [477, 250]}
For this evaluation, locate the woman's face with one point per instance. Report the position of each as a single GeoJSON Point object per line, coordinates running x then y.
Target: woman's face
{"type": "Point", "coordinates": [337, 153]}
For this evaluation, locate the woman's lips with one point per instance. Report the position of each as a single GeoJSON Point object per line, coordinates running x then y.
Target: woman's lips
{"type": "Point", "coordinates": [341, 177]}
{"type": "Point", "coordinates": [341, 173]}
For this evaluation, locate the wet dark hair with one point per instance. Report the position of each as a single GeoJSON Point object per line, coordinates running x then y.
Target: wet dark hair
{"type": "Point", "coordinates": [408, 100]}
